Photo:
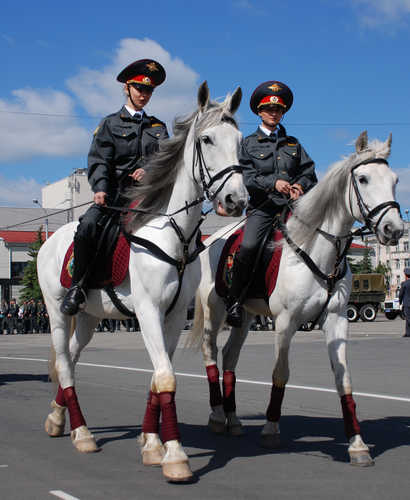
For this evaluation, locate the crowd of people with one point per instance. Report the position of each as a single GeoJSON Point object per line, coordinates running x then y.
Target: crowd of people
{"type": "Point", "coordinates": [30, 317]}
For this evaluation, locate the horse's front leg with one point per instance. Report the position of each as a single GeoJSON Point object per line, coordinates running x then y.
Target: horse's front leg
{"type": "Point", "coordinates": [230, 354]}
{"type": "Point", "coordinates": [161, 401]}
{"type": "Point", "coordinates": [336, 329]}
{"type": "Point", "coordinates": [270, 435]}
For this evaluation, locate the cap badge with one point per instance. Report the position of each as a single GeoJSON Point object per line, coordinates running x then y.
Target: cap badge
{"type": "Point", "coordinates": [275, 87]}
{"type": "Point", "coordinates": [152, 67]}
{"type": "Point", "coordinates": [274, 98]}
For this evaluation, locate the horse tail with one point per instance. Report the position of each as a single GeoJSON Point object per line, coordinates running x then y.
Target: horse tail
{"type": "Point", "coordinates": [52, 368]}
{"type": "Point", "coordinates": [193, 343]}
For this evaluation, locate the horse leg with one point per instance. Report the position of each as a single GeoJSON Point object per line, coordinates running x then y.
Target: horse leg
{"type": "Point", "coordinates": [175, 464]}
{"type": "Point", "coordinates": [230, 354]}
{"type": "Point", "coordinates": [336, 329]}
{"type": "Point", "coordinates": [270, 435]}
{"type": "Point", "coordinates": [67, 353]}
{"type": "Point", "coordinates": [212, 324]}
{"type": "Point", "coordinates": [152, 450]}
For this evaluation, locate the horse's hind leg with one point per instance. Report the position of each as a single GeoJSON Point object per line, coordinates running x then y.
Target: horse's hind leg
{"type": "Point", "coordinates": [336, 329]}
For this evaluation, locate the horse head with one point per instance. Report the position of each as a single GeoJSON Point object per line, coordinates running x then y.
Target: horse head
{"type": "Point", "coordinates": [372, 193]}
{"type": "Point", "coordinates": [217, 142]}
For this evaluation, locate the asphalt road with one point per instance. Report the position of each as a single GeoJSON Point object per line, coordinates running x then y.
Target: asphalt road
{"type": "Point", "coordinates": [112, 381]}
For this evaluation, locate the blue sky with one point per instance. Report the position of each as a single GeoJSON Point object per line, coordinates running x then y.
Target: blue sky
{"type": "Point", "coordinates": [346, 61]}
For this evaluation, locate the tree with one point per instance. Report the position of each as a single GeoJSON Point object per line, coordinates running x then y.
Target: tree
{"type": "Point", "coordinates": [385, 270]}
{"type": "Point", "coordinates": [365, 265]}
{"type": "Point", "coordinates": [30, 287]}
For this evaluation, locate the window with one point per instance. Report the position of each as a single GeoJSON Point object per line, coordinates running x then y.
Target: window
{"type": "Point", "coordinates": [17, 269]}
{"type": "Point", "coordinates": [398, 279]}
{"type": "Point", "coordinates": [397, 262]}
{"type": "Point", "coordinates": [406, 262]}
{"type": "Point", "coordinates": [406, 246]}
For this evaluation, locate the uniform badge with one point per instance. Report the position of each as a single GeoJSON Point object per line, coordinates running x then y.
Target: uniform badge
{"type": "Point", "coordinates": [152, 67]}
{"type": "Point", "coordinates": [275, 87]}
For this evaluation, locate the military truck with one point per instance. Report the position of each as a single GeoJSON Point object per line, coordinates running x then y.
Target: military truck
{"type": "Point", "coordinates": [368, 292]}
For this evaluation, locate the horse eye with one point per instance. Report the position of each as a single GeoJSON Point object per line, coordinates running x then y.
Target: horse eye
{"type": "Point", "coordinates": [206, 140]}
{"type": "Point", "coordinates": [363, 180]}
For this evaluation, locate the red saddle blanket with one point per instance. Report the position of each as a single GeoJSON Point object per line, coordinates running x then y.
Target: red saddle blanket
{"type": "Point", "coordinates": [116, 268]}
{"type": "Point", "coordinates": [267, 278]}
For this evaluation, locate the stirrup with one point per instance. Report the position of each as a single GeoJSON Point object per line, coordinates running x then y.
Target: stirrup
{"type": "Point", "coordinates": [236, 315]}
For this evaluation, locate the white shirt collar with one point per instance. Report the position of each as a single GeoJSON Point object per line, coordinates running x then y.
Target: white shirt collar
{"type": "Point", "coordinates": [132, 112]}
{"type": "Point", "coordinates": [269, 132]}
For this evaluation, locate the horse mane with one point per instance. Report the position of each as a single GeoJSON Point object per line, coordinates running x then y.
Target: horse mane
{"type": "Point", "coordinates": [323, 200]}
{"type": "Point", "coordinates": [154, 191]}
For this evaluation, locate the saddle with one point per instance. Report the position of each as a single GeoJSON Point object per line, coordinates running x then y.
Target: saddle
{"type": "Point", "coordinates": [264, 279]}
{"type": "Point", "coordinates": [111, 266]}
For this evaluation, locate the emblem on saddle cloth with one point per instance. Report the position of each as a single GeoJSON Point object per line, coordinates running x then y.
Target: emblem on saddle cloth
{"type": "Point", "coordinates": [116, 268]}
{"type": "Point", "coordinates": [264, 282]}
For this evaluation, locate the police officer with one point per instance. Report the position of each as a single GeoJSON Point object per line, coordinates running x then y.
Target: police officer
{"type": "Point", "coordinates": [275, 166]}
{"type": "Point", "coordinates": [117, 159]}
{"type": "Point", "coordinates": [6, 319]}
{"type": "Point", "coordinates": [33, 316]}
{"type": "Point", "coordinates": [42, 317]}
{"type": "Point", "coordinates": [13, 316]}
{"type": "Point", "coordinates": [404, 299]}
{"type": "Point", "coordinates": [26, 317]}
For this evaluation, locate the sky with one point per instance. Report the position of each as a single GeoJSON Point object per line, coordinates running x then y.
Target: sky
{"type": "Point", "coordinates": [346, 61]}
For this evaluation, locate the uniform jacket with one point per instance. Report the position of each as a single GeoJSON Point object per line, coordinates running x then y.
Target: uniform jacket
{"type": "Point", "coordinates": [14, 310]}
{"type": "Point", "coordinates": [265, 160]}
{"type": "Point", "coordinates": [42, 311]}
{"type": "Point", "coordinates": [120, 145]}
{"type": "Point", "coordinates": [404, 295]}
{"type": "Point", "coordinates": [33, 309]}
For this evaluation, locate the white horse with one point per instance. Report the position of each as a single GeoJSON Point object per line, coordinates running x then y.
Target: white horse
{"type": "Point", "coordinates": [202, 156]}
{"type": "Point", "coordinates": [361, 188]}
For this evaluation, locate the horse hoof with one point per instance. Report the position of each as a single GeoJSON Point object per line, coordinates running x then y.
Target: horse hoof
{"type": "Point", "coordinates": [217, 427]}
{"type": "Point", "coordinates": [178, 473]}
{"type": "Point", "coordinates": [235, 430]}
{"type": "Point", "coordinates": [55, 422]}
{"type": "Point", "coordinates": [83, 440]}
{"type": "Point", "coordinates": [152, 458]}
{"type": "Point", "coordinates": [361, 458]}
{"type": "Point", "coordinates": [271, 441]}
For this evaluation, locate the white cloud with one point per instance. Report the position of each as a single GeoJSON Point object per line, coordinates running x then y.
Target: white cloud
{"type": "Point", "coordinates": [31, 124]}
{"type": "Point", "coordinates": [382, 12]}
{"type": "Point", "coordinates": [99, 93]}
{"type": "Point", "coordinates": [27, 189]}
{"type": "Point", "coordinates": [403, 188]}
{"type": "Point", "coordinates": [28, 128]}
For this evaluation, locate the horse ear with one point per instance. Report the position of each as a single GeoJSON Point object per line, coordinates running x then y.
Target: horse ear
{"type": "Point", "coordinates": [203, 96]}
{"type": "Point", "coordinates": [235, 101]}
{"type": "Point", "coordinates": [361, 142]}
{"type": "Point", "coordinates": [388, 143]}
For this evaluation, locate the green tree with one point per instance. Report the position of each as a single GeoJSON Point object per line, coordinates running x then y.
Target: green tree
{"type": "Point", "coordinates": [365, 265]}
{"type": "Point", "coordinates": [30, 287]}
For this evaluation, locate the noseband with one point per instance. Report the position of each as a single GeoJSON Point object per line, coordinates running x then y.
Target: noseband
{"type": "Point", "coordinates": [364, 210]}
{"type": "Point", "coordinates": [198, 159]}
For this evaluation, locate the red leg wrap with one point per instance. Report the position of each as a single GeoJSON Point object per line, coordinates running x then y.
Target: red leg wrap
{"type": "Point", "coordinates": [273, 412]}
{"type": "Point", "coordinates": [352, 427]}
{"type": "Point", "coordinates": [152, 414]}
{"type": "Point", "coordinates": [215, 395]}
{"type": "Point", "coordinates": [169, 422]}
{"type": "Point", "coordinates": [76, 417]}
{"type": "Point", "coordinates": [60, 398]}
{"type": "Point", "coordinates": [229, 380]}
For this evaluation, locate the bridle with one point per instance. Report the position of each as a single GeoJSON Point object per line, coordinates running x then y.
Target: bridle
{"type": "Point", "coordinates": [198, 160]}
{"type": "Point", "coordinates": [364, 210]}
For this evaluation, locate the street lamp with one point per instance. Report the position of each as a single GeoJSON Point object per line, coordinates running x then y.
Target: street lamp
{"type": "Point", "coordinates": [38, 203]}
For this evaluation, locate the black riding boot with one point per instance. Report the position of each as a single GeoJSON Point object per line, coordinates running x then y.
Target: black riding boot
{"type": "Point", "coordinates": [234, 307]}
{"type": "Point", "coordinates": [83, 256]}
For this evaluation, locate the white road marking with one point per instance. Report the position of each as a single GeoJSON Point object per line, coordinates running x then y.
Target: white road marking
{"type": "Point", "coordinates": [243, 381]}
{"type": "Point", "coordinates": [64, 496]}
